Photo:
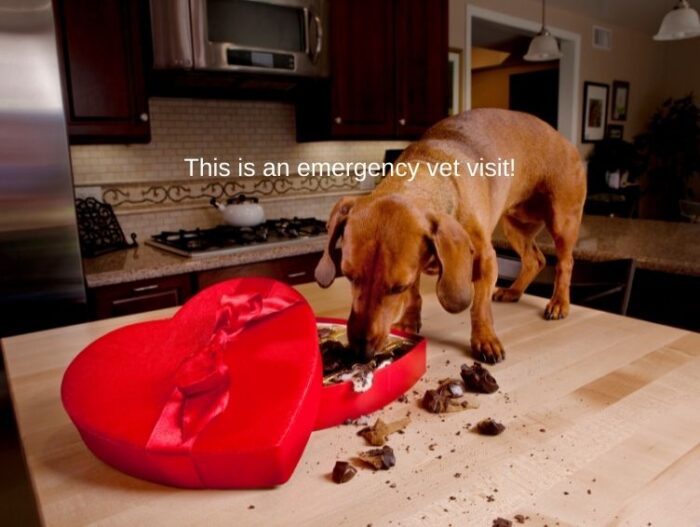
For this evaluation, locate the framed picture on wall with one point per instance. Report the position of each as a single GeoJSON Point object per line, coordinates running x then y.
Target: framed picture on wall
{"type": "Point", "coordinates": [455, 70]}
{"type": "Point", "coordinates": [615, 131]}
{"type": "Point", "coordinates": [620, 100]}
{"type": "Point", "coordinates": [595, 111]}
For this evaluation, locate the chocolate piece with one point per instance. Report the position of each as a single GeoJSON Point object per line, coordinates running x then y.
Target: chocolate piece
{"type": "Point", "coordinates": [502, 522]}
{"type": "Point", "coordinates": [453, 388]}
{"type": "Point", "coordinates": [343, 472]}
{"type": "Point", "coordinates": [519, 518]}
{"type": "Point", "coordinates": [438, 402]}
{"type": "Point", "coordinates": [377, 434]}
{"type": "Point", "coordinates": [489, 427]}
{"type": "Point", "coordinates": [478, 379]}
{"type": "Point", "coordinates": [379, 458]}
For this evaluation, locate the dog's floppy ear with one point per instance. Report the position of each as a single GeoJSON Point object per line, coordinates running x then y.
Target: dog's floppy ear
{"type": "Point", "coordinates": [454, 252]}
{"type": "Point", "coordinates": [325, 270]}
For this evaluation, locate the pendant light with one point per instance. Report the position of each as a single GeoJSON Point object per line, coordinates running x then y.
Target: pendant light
{"type": "Point", "coordinates": [543, 46]}
{"type": "Point", "coordinates": [680, 23]}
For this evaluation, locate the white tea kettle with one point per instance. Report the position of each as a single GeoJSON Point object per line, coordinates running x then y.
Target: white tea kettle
{"type": "Point", "coordinates": [241, 210]}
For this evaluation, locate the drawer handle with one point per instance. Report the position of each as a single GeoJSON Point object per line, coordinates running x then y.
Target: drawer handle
{"type": "Point", "coordinates": [296, 275]}
{"type": "Point", "coordinates": [145, 288]}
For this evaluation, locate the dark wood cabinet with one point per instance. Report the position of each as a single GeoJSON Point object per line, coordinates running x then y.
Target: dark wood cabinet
{"type": "Point", "coordinates": [388, 72]}
{"type": "Point", "coordinates": [421, 37]}
{"type": "Point", "coordinates": [170, 291]}
{"type": "Point", "coordinates": [137, 297]}
{"type": "Point", "coordinates": [291, 270]}
{"type": "Point", "coordinates": [362, 68]}
{"type": "Point", "coordinates": [102, 45]}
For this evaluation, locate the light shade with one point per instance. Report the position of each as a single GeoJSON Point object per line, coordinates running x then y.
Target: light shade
{"type": "Point", "coordinates": [683, 22]}
{"type": "Point", "coordinates": [543, 47]}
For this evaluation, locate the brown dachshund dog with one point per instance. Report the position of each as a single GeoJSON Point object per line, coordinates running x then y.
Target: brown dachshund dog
{"type": "Point", "coordinates": [443, 225]}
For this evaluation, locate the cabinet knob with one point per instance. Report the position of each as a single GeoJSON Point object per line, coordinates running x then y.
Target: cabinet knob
{"type": "Point", "coordinates": [144, 117]}
{"type": "Point", "coordinates": [338, 120]}
{"type": "Point", "coordinates": [402, 121]}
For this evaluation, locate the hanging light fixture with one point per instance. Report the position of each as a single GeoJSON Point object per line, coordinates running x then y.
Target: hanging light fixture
{"type": "Point", "coordinates": [680, 23]}
{"type": "Point", "coordinates": [543, 46]}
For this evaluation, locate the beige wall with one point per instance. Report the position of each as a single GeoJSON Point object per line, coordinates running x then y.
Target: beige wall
{"type": "Point", "coordinates": [681, 74]}
{"type": "Point", "coordinates": [634, 57]}
{"type": "Point", "coordinates": [491, 87]}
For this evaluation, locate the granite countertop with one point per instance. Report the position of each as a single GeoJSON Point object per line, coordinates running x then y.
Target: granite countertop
{"type": "Point", "coordinates": [655, 245]}
{"type": "Point", "coordinates": [146, 262]}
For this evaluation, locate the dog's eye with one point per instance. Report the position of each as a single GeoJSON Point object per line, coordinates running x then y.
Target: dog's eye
{"type": "Point", "coordinates": [395, 290]}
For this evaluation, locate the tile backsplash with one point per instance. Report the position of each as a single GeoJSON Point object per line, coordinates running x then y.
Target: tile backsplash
{"type": "Point", "coordinates": [181, 128]}
{"type": "Point", "coordinates": [150, 187]}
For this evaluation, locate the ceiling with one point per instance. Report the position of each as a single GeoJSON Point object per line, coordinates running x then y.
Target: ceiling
{"type": "Point", "coordinates": [642, 15]}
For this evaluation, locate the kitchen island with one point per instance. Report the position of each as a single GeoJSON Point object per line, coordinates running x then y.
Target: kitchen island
{"type": "Point", "coordinates": [601, 424]}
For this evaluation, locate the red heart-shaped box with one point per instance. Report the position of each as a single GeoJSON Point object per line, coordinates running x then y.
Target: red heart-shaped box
{"type": "Point", "coordinates": [223, 395]}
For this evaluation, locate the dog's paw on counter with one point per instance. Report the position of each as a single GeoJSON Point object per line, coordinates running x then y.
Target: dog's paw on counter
{"type": "Point", "coordinates": [487, 348]}
{"type": "Point", "coordinates": [556, 309]}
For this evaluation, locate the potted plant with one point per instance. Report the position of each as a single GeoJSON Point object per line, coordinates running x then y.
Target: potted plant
{"type": "Point", "coordinates": [671, 151]}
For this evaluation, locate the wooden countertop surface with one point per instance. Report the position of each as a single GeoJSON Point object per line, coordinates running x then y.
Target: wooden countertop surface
{"type": "Point", "coordinates": [601, 416]}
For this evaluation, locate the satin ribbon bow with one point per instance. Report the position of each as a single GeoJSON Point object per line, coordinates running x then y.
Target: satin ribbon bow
{"type": "Point", "coordinates": [202, 380]}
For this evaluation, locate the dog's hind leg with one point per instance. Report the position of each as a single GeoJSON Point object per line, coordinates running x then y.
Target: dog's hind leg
{"type": "Point", "coordinates": [564, 226]}
{"type": "Point", "coordinates": [521, 236]}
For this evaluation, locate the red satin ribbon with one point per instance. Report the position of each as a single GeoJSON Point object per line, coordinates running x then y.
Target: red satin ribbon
{"type": "Point", "coordinates": [202, 381]}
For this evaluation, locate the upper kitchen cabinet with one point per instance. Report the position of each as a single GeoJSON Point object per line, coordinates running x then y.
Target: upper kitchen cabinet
{"type": "Point", "coordinates": [388, 72]}
{"type": "Point", "coordinates": [362, 62]}
{"type": "Point", "coordinates": [102, 53]}
{"type": "Point", "coordinates": [421, 36]}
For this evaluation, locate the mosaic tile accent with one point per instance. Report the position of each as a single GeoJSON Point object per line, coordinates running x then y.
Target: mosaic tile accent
{"type": "Point", "coordinates": [173, 194]}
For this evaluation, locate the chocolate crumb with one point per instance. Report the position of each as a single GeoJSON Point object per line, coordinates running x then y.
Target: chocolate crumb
{"type": "Point", "coordinates": [489, 427]}
{"type": "Point", "coordinates": [588, 491]}
{"type": "Point", "coordinates": [519, 518]}
{"type": "Point", "coordinates": [251, 507]}
{"type": "Point", "coordinates": [543, 430]}
{"type": "Point", "coordinates": [343, 472]}
{"type": "Point", "coordinates": [439, 401]}
{"type": "Point", "coordinates": [478, 378]}
{"type": "Point", "coordinates": [502, 522]}
{"type": "Point", "coordinates": [458, 474]}
{"type": "Point", "coordinates": [377, 434]}
{"type": "Point", "coordinates": [379, 458]}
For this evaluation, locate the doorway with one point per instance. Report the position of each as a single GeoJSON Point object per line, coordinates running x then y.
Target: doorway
{"type": "Point", "coordinates": [497, 76]}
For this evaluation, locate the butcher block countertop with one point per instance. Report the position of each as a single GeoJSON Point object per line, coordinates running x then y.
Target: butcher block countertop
{"type": "Point", "coordinates": [601, 416]}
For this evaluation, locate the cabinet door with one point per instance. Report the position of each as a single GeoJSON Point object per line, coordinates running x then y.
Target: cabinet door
{"type": "Point", "coordinates": [103, 69]}
{"type": "Point", "coordinates": [362, 68]}
{"type": "Point", "coordinates": [421, 65]}
{"type": "Point", "coordinates": [291, 270]}
{"type": "Point", "coordinates": [137, 297]}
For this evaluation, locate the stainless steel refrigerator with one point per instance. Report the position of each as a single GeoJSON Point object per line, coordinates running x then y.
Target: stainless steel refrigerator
{"type": "Point", "coordinates": [41, 276]}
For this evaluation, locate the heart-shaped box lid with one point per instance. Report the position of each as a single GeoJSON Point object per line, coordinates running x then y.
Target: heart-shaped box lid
{"type": "Point", "coordinates": [223, 395]}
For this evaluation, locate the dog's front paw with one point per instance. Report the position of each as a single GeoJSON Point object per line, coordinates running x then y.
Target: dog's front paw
{"type": "Point", "coordinates": [556, 309]}
{"type": "Point", "coordinates": [506, 294]}
{"type": "Point", "coordinates": [486, 347]}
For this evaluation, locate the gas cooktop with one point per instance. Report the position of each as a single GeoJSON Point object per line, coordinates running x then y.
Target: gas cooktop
{"type": "Point", "coordinates": [225, 239]}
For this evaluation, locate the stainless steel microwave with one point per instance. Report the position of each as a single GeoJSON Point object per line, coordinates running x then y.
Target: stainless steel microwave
{"type": "Point", "coordinates": [261, 36]}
